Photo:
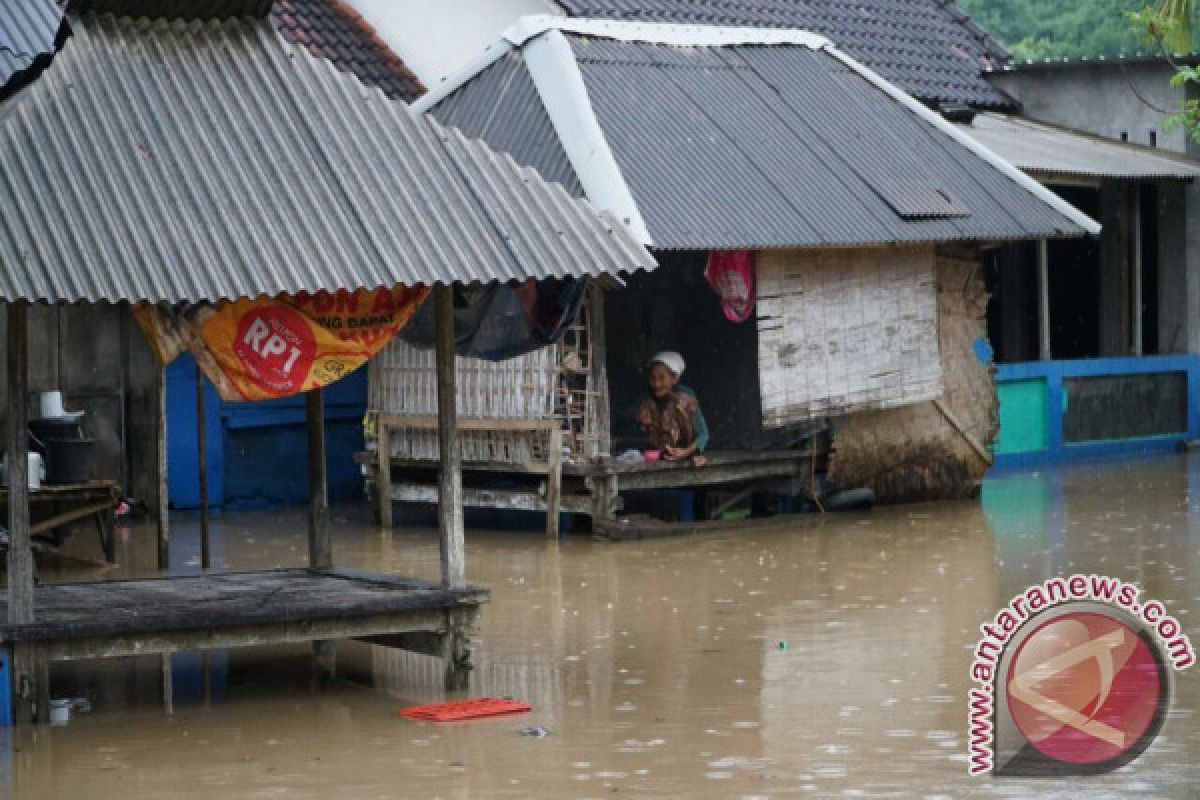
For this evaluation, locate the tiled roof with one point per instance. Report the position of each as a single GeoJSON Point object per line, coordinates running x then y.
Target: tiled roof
{"type": "Point", "coordinates": [332, 30]}
{"type": "Point", "coordinates": [930, 48]}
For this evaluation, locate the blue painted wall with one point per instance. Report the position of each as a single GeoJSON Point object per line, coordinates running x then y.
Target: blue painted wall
{"type": "Point", "coordinates": [1051, 374]}
{"type": "Point", "coordinates": [257, 452]}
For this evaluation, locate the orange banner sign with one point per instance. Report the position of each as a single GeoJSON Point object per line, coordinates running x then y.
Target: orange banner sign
{"type": "Point", "coordinates": [266, 348]}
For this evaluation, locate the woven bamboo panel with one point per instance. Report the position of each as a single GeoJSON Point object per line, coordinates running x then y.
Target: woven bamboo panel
{"type": "Point", "coordinates": [915, 453]}
{"type": "Point", "coordinates": [845, 330]}
{"type": "Point", "coordinates": [553, 382]}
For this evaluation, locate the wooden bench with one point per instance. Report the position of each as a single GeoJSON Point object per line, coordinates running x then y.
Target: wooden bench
{"type": "Point", "coordinates": [61, 505]}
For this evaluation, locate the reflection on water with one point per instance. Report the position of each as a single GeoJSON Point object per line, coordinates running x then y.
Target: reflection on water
{"type": "Point", "coordinates": [821, 658]}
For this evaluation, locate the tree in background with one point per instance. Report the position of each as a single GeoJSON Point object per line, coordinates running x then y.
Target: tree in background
{"type": "Point", "coordinates": [1170, 26]}
{"type": "Point", "coordinates": [1034, 30]}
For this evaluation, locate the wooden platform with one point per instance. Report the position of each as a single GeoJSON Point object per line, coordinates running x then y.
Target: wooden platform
{"type": "Point", "coordinates": [163, 615]}
{"type": "Point", "coordinates": [594, 488]}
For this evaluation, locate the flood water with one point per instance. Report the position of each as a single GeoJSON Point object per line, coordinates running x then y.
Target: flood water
{"type": "Point", "coordinates": [817, 657]}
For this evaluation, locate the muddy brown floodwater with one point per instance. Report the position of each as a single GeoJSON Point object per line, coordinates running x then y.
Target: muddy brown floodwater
{"type": "Point", "coordinates": [822, 657]}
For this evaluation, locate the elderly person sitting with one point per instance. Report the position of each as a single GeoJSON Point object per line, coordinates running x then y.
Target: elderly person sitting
{"type": "Point", "coordinates": [670, 414]}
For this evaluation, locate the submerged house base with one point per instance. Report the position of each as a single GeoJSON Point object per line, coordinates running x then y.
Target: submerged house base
{"type": "Point", "coordinates": [936, 449]}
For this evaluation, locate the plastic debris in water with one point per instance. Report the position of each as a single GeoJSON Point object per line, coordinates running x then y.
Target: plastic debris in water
{"type": "Point", "coordinates": [535, 732]}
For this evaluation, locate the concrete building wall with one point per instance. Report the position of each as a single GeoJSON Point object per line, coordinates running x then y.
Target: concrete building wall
{"type": "Point", "coordinates": [1132, 101]}
{"type": "Point", "coordinates": [436, 38]}
{"type": "Point", "coordinates": [1106, 99]}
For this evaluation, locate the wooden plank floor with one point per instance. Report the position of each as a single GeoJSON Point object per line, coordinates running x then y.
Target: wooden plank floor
{"type": "Point", "coordinates": [226, 600]}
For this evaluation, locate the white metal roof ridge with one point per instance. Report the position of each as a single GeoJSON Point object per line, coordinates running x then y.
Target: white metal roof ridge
{"type": "Point", "coordinates": [528, 27]}
{"type": "Point", "coordinates": [559, 83]}
{"type": "Point", "coordinates": [941, 123]}
{"type": "Point", "coordinates": [531, 26]}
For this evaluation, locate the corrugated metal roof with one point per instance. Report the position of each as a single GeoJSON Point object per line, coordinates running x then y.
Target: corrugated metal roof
{"type": "Point", "coordinates": [774, 146]}
{"type": "Point", "coordinates": [1050, 150]}
{"type": "Point", "coordinates": [27, 30]}
{"type": "Point", "coordinates": [931, 48]}
{"type": "Point", "coordinates": [503, 109]}
{"type": "Point", "coordinates": [168, 160]}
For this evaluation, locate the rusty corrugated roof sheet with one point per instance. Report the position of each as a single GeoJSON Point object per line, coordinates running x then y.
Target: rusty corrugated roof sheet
{"type": "Point", "coordinates": [169, 160]}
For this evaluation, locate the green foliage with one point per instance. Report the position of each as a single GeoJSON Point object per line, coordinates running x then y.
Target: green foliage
{"type": "Point", "coordinates": [1039, 29]}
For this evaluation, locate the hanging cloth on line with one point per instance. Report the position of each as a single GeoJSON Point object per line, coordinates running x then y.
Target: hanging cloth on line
{"type": "Point", "coordinates": [499, 321]}
{"type": "Point", "coordinates": [730, 273]}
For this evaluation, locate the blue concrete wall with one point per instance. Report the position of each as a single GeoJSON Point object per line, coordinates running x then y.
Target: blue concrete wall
{"type": "Point", "coordinates": [1051, 445]}
{"type": "Point", "coordinates": [257, 452]}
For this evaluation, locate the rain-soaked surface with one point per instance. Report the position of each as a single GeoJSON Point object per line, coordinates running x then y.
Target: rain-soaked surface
{"type": "Point", "coordinates": [813, 658]}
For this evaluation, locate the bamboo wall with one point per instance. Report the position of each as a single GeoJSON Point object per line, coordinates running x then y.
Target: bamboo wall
{"type": "Point", "coordinates": [842, 331]}
{"type": "Point", "coordinates": [915, 452]}
{"type": "Point", "coordinates": [554, 382]}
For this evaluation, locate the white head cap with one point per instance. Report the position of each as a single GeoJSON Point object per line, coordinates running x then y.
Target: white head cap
{"type": "Point", "coordinates": [671, 360]}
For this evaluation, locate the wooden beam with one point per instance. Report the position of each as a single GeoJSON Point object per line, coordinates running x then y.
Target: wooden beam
{"type": "Point", "coordinates": [955, 423]}
{"type": "Point", "coordinates": [320, 543]}
{"type": "Point", "coordinates": [450, 501]}
{"type": "Point", "coordinates": [202, 470]}
{"type": "Point", "coordinates": [1136, 333]}
{"type": "Point", "coordinates": [162, 503]}
{"type": "Point", "coordinates": [1043, 288]}
{"type": "Point", "coordinates": [598, 332]}
{"type": "Point", "coordinates": [20, 550]}
{"type": "Point", "coordinates": [554, 482]}
{"type": "Point", "coordinates": [383, 474]}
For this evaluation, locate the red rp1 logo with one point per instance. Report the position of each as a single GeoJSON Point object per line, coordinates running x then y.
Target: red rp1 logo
{"type": "Point", "coordinates": [276, 347]}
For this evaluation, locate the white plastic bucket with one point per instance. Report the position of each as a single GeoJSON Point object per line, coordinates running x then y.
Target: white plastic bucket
{"type": "Point", "coordinates": [60, 712]}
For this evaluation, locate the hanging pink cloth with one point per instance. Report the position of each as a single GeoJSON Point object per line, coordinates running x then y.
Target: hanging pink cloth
{"type": "Point", "coordinates": [730, 273]}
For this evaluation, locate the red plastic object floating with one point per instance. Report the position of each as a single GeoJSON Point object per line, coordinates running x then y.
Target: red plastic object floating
{"type": "Point", "coordinates": [465, 709]}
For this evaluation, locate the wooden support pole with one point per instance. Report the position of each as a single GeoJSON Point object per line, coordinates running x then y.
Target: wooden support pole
{"type": "Point", "coordinates": [168, 684]}
{"type": "Point", "coordinates": [1043, 289]}
{"type": "Point", "coordinates": [202, 471]}
{"type": "Point", "coordinates": [320, 544]}
{"type": "Point", "coordinates": [598, 332]}
{"type": "Point", "coordinates": [554, 481]}
{"type": "Point", "coordinates": [1136, 336]}
{"type": "Point", "coordinates": [450, 497]}
{"type": "Point", "coordinates": [383, 475]}
{"type": "Point", "coordinates": [320, 541]}
{"type": "Point", "coordinates": [161, 502]}
{"type": "Point", "coordinates": [20, 550]}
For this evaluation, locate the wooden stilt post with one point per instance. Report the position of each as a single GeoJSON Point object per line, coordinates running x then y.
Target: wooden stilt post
{"type": "Point", "coordinates": [20, 551]}
{"type": "Point", "coordinates": [29, 668]}
{"type": "Point", "coordinates": [320, 542]}
{"type": "Point", "coordinates": [202, 471]}
{"type": "Point", "coordinates": [161, 501]}
{"type": "Point", "coordinates": [450, 505]}
{"type": "Point", "coordinates": [383, 476]}
{"type": "Point", "coordinates": [320, 545]}
{"type": "Point", "coordinates": [1136, 333]}
{"type": "Point", "coordinates": [168, 685]}
{"type": "Point", "coordinates": [1043, 290]}
{"type": "Point", "coordinates": [598, 332]}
